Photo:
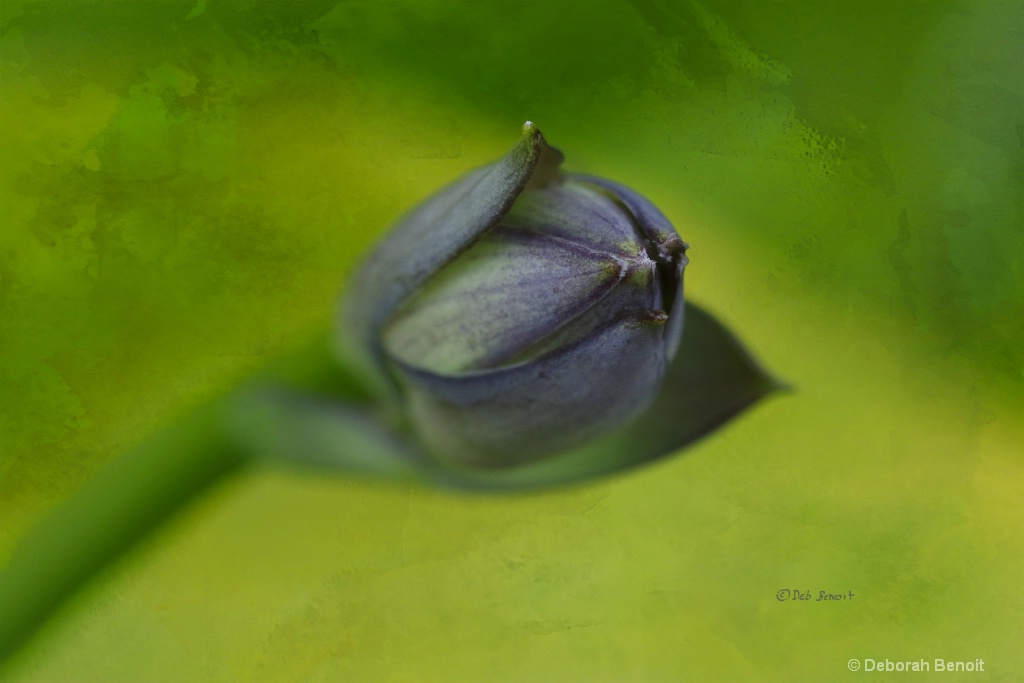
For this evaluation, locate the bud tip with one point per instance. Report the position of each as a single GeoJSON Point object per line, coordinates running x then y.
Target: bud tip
{"type": "Point", "coordinates": [531, 135]}
{"type": "Point", "coordinates": [674, 246]}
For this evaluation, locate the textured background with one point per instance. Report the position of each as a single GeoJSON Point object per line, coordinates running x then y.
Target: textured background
{"type": "Point", "coordinates": [186, 185]}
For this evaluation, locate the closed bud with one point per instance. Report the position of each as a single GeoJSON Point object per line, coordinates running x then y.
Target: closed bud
{"type": "Point", "coordinates": [525, 310]}
{"type": "Point", "coordinates": [522, 328]}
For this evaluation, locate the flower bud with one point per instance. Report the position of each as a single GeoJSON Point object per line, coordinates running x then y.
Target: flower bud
{"type": "Point", "coordinates": [522, 310]}
{"type": "Point", "coordinates": [520, 329]}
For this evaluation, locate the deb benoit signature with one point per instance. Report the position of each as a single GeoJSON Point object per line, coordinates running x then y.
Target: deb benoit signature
{"type": "Point", "coordinates": [784, 594]}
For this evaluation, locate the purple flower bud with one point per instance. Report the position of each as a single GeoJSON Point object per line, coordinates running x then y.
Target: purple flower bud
{"type": "Point", "coordinates": [522, 328]}
{"type": "Point", "coordinates": [522, 311]}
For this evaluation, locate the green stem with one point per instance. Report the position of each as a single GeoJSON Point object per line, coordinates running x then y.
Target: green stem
{"type": "Point", "coordinates": [124, 503]}
{"type": "Point", "coordinates": [138, 492]}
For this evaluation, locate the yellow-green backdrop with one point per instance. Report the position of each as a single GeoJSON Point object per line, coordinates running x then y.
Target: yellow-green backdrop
{"type": "Point", "coordinates": [185, 187]}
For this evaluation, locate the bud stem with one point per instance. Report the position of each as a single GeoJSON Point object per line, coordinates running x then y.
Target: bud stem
{"type": "Point", "coordinates": [137, 493]}
{"type": "Point", "coordinates": [131, 497]}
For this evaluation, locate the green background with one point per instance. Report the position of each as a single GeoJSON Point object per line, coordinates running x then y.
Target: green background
{"type": "Point", "coordinates": [185, 187]}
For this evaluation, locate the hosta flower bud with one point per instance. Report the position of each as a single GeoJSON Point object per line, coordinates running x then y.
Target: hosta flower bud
{"type": "Point", "coordinates": [524, 328]}
{"type": "Point", "coordinates": [522, 310]}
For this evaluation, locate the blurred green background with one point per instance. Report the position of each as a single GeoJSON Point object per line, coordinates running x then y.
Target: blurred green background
{"type": "Point", "coordinates": [185, 187]}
